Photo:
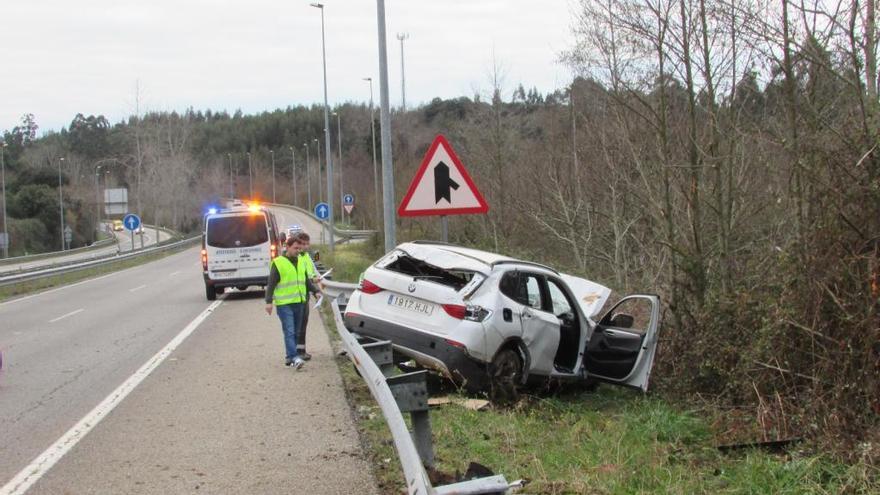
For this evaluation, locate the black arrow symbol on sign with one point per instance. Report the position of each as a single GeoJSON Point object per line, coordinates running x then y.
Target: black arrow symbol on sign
{"type": "Point", "coordinates": [442, 183]}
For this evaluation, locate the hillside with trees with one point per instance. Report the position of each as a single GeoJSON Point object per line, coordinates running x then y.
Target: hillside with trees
{"type": "Point", "coordinates": [721, 154]}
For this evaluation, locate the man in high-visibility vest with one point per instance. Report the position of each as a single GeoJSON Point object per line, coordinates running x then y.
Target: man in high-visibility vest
{"type": "Point", "coordinates": [287, 292]}
{"type": "Point", "coordinates": [314, 286]}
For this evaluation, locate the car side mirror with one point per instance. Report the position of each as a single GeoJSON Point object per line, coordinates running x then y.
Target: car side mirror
{"type": "Point", "coordinates": [622, 320]}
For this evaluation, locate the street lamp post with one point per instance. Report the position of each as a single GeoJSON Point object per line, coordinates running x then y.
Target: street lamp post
{"type": "Point", "coordinates": [327, 132]}
{"type": "Point", "coordinates": [250, 177]}
{"type": "Point", "coordinates": [375, 167]}
{"type": "Point", "coordinates": [3, 182]}
{"type": "Point", "coordinates": [61, 201]}
{"type": "Point", "coordinates": [402, 37]}
{"type": "Point", "coordinates": [339, 154]}
{"type": "Point", "coordinates": [231, 186]}
{"type": "Point", "coordinates": [320, 184]}
{"type": "Point", "coordinates": [272, 154]}
{"type": "Point", "coordinates": [293, 174]}
{"type": "Point", "coordinates": [385, 115]}
{"type": "Point", "coordinates": [308, 175]}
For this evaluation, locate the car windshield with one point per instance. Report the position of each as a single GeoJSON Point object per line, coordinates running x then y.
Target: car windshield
{"type": "Point", "coordinates": [237, 231]}
{"type": "Point", "coordinates": [419, 269]}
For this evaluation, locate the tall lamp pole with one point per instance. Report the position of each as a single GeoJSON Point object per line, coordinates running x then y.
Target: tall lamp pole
{"type": "Point", "coordinates": [293, 174]}
{"type": "Point", "coordinates": [272, 154]}
{"type": "Point", "coordinates": [375, 167]}
{"type": "Point", "coordinates": [231, 186]}
{"type": "Point", "coordinates": [308, 174]}
{"type": "Point", "coordinates": [3, 182]}
{"type": "Point", "coordinates": [385, 115]}
{"type": "Point", "coordinates": [61, 202]}
{"type": "Point", "coordinates": [402, 37]}
{"type": "Point", "coordinates": [339, 154]}
{"type": "Point", "coordinates": [250, 177]}
{"type": "Point", "coordinates": [327, 132]}
{"type": "Point", "coordinates": [320, 184]}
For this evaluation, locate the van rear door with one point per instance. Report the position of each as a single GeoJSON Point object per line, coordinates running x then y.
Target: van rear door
{"type": "Point", "coordinates": [238, 246]}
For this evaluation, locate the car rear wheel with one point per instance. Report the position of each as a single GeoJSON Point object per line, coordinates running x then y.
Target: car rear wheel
{"type": "Point", "coordinates": [505, 375]}
{"type": "Point", "coordinates": [210, 292]}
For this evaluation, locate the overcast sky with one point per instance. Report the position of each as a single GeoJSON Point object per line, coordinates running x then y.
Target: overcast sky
{"type": "Point", "coordinates": [61, 57]}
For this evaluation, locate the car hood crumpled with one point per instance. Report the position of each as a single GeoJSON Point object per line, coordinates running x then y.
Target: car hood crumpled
{"type": "Point", "coordinates": [590, 295]}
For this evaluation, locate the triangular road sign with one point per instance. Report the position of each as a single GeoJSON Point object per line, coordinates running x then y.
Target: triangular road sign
{"type": "Point", "coordinates": [442, 186]}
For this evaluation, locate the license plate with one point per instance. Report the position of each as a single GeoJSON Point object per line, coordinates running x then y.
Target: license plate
{"type": "Point", "coordinates": [222, 274]}
{"type": "Point", "coordinates": [410, 304]}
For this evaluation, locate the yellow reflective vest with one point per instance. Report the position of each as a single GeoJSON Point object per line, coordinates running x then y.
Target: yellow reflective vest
{"type": "Point", "coordinates": [291, 286]}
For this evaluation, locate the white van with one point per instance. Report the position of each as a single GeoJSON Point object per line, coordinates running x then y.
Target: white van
{"type": "Point", "coordinates": [238, 245]}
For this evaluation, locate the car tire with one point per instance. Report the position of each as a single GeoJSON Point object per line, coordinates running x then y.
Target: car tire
{"type": "Point", "coordinates": [505, 375]}
{"type": "Point", "coordinates": [210, 292]}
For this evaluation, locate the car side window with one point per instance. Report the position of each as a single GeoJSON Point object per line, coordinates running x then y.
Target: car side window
{"type": "Point", "coordinates": [522, 288]}
{"type": "Point", "coordinates": [561, 305]}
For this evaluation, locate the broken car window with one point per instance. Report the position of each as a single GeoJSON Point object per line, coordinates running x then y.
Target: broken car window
{"type": "Point", "coordinates": [424, 271]}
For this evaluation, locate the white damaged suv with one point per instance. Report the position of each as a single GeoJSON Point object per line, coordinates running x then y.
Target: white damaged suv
{"type": "Point", "coordinates": [486, 320]}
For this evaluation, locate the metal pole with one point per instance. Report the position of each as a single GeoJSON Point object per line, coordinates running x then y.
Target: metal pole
{"type": "Point", "coordinates": [3, 182]}
{"type": "Point", "coordinates": [293, 174]}
{"type": "Point", "coordinates": [339, 154]}
{"type": "Point", "coordinates": [327, 134]}
{"type": "Point", "coordinates": [61, 201]}
{"type": "Point", "coordinates": [402, 37]}
{"type": "Point", "coordinates": [272, 154]}
{"type": "Point", "coordinates": [320, 183]}
{"type": "Point", "coordinates": [231, 186]}
{"type": "Point", "coordinates": [250, 177]}
{"type": "Point", "coordinates": [97, 201]}
{"type": "Point", "coordinates": [308, 174]}
{"type": "Point", "coordinates": [375, 168]}
{"type": "Point", "coordinates": [385, 115]}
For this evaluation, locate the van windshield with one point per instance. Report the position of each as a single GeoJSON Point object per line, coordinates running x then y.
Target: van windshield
{"type": "Point", "coordinates": [237, 231]}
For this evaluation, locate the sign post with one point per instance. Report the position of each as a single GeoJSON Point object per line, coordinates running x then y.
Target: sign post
{"type": "Point", "coordinates": [348, 204]}
{"type": "Point", "coordinates": [131, 223]}
{"type": "Point", "coordinates": [322, 211]}
{"type": "Point", "coordinates": [442, 187]}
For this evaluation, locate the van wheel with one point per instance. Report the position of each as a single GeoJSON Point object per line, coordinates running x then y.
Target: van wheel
{"type": "Point", "coordinates": [210, 292]}
{"type": "Point", "coordinates": [505, 374]}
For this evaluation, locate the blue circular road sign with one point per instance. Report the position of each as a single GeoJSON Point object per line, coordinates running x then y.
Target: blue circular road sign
{"type": "Point", "coordinates": [348, 199]}
{"type": "Point", "coordinates": [131, 222]}
{"type": "Point", "coordinates": [322, 211]}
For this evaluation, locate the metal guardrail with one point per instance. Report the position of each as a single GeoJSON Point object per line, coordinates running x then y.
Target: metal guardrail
{"type": "Point", "coordinates": [82, 265]}
{"type": "Point", "coordinates": [38, 256]}
{"type": "Point", "coordinates": [397, 394]}
{"type": "Point", "coordinates": [351, 234]}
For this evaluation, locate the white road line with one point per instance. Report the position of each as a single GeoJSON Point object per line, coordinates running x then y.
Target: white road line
{"type": "Point", "coordinates": [80, 310]}
{"type": "Point", "coordinates": [139, 287]}
{"type": "Point", "coordinates": [173, 273]}
{"type": "Point", "coordinates": [41, 465]}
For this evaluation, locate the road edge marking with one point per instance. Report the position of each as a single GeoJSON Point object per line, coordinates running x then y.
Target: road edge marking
{"type": "Point", "coordinates": [44, 462]}
{"type": "Point", "coordinates": [75, 312]}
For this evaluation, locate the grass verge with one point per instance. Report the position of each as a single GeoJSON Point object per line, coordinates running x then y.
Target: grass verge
{"type": "Point", "coordinates": [612, 441]}
{"type": "Point", "coordinates": [32, 286]}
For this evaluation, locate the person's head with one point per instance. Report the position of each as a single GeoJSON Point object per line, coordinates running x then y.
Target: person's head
{"type": "Point", "coordinates": [294, 246]}
{"type": "Point", "coordinates": [304, 240]}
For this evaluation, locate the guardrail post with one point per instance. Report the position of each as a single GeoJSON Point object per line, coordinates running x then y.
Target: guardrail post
{"type": "Point", "coordinates": [381, 353]}
{"type": "Point", "coordinates": [410, 390]}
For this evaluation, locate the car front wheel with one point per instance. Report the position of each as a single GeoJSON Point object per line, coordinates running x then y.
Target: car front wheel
{"type": "Point", "coordinates": [505, 375]}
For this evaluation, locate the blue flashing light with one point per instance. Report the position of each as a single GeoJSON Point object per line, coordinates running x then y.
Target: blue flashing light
{"type": "Point", "coordinates": [212, 211]}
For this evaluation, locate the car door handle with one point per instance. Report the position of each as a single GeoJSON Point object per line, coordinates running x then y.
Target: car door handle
{"type": "Point", "coordinates": [610, 333]}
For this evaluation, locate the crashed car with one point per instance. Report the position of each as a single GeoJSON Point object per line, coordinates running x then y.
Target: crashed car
{"type": "Point", "coordinates": [486, 321]}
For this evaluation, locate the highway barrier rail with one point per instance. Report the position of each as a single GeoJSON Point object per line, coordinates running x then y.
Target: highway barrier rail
{"type": "Point", "coordinates": [347, 234]}
{"type": "Point", "coordinates": [34, 257]}
{"type": "Point", "coordinates": [73, 266]}
{"type": "Point", "coordinates": [397, 394]}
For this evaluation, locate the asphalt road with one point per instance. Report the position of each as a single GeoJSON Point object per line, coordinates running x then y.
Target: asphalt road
{"type": "Point", "coordinates": [221, 414]}
{"type": "Point", "coordinates": [290, 216]}
{"type": "Point", "coordinates": [123, 244]}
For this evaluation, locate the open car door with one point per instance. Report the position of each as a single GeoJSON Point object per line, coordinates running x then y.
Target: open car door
{"type": "Point", "coordinates": [622, 347]}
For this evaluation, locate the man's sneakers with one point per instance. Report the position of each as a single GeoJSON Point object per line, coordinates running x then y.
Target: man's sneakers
{"type": "Point", "coordinates": [297, 363]}
{"type": "Point", "coordinates": [305, 355]}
